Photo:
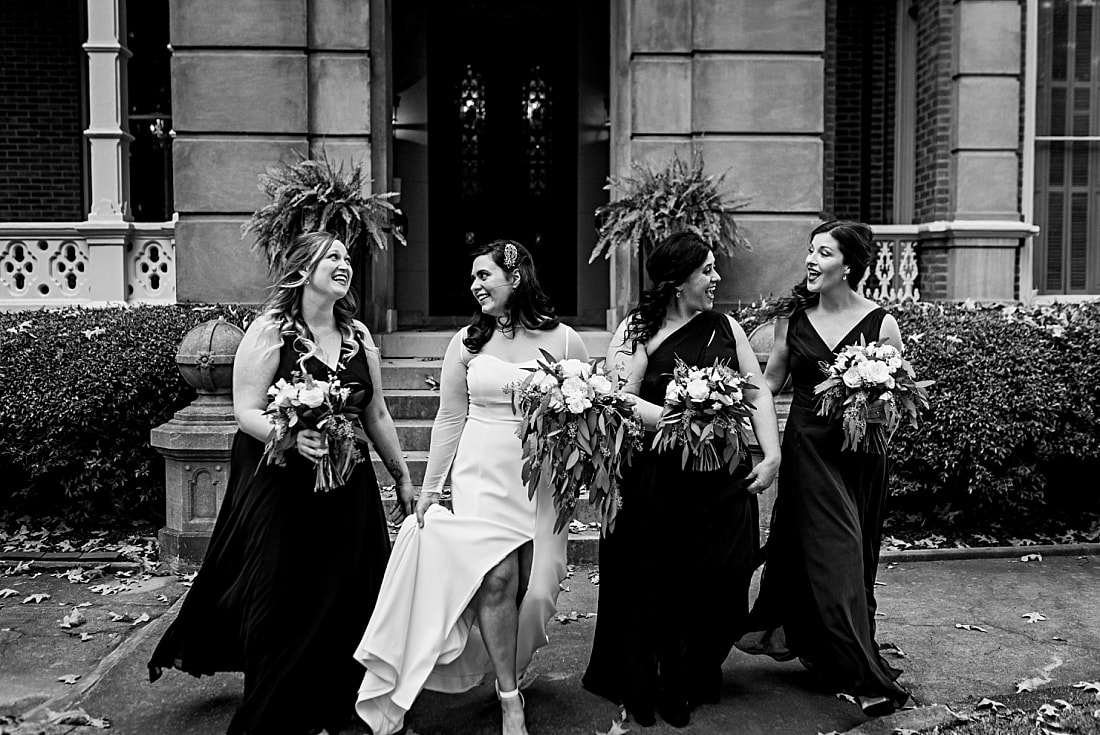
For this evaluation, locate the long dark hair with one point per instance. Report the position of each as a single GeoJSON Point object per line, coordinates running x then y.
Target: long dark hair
{"type": "Point", "coordinates": [668, 265]}
{"type": "Point", "coordinates": [857, 245]}
{"type": "Point", "coordinates": [528, 305]}
{"type": "Point", "coordinates": [284, 305]}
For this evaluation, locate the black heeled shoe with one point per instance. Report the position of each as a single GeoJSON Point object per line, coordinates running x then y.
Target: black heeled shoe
{"type": "Point", "coordinates": [876, 706]}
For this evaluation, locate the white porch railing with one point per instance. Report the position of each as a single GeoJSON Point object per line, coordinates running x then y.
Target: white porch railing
{"type": "Point", "coordinates": [86, 263]}
{"type": "Point", "coordinates": [893, 274]}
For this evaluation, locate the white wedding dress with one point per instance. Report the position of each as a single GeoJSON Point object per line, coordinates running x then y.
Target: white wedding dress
{"type": "Point", "coordinates": [423, 633]}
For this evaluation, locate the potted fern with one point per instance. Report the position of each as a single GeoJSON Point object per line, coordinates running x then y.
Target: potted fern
{"type": "Point", "coordinates": [317, 194]}
{"type": "Point", "coordinates": [655, 203]}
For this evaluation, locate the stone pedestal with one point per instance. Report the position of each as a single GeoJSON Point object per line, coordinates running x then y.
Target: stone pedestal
{"type": "Point", "coordinates": [197, 443]}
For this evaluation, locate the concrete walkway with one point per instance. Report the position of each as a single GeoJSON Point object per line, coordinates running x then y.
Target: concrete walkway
{"type": "Point", "coordinates": [922, 603]}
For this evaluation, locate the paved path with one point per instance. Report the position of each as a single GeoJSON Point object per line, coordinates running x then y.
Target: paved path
{"type": "Point", "coordinates": [920, 604]}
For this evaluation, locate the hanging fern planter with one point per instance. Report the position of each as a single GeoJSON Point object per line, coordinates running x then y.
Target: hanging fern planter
{"type": "Point", "coordinates": [655, 203]}
{"type": "Point", "coordinates": [314, 195]}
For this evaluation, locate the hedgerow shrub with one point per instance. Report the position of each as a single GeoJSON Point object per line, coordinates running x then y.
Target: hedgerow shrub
{"type": "Point", "coordinates": [1015, 412]}
{"type": "Point", "coordinates": [80, 389]}
{"type": "Point", "coordinates": [1014, 421]}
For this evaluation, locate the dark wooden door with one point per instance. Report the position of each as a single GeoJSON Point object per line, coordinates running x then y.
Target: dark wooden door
{"type": "Point", "coordinates": [502, 127]}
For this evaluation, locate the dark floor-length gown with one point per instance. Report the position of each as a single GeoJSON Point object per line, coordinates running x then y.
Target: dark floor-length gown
{"type": "Point", "coordinates": [288, 583]}
{"type": "Point", "coordinates": [817, 593]}
{"type": "Point", "coordinates": [674, 574]}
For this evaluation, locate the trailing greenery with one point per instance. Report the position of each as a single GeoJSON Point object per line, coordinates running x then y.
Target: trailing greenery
{"type": "Point", "coordinates": [80, 390]}
{"type": "Point", "coordinates": [1015, 410]}
{"type": "Point", "coordinates": [655, 203]}
{"type": "Point", "coordinates": [317, 194]}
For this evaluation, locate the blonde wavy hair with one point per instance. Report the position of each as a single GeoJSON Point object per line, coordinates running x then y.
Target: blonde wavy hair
{"type": "Point", "coordinates": [284, 306]}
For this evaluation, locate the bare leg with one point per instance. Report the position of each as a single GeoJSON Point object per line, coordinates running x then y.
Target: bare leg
{"type": "Point", "coordinates": [498, 618]}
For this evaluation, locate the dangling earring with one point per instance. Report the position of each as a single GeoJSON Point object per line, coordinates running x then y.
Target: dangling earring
{"type": "Point", "coordinates": [679, 293]}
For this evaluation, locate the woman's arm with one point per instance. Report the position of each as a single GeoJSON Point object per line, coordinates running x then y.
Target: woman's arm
{"type": "Point", "coordinates": [764, 423]}
{"type": "Point", "coordinates": [454, 405]}
{"type": "Point", "coordinates": [380, 429]}
{"type": "Point", "coordinates": [630, 366]}
{"type": "Point", "coordinates": [254, 368]}
{"type": "Point", "coordinates": [775, 374]}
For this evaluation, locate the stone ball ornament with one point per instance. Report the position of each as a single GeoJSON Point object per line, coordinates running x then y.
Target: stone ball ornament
{"type": "Point", "coordinates": [205, 356]}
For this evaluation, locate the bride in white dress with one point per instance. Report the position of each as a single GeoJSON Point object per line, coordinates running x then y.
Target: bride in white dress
{"type": "Point", "coordinates": [469, 593]}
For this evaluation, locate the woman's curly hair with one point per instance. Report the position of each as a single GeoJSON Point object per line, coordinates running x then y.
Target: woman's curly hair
{"type": "Point", "coordinates": [668, 265]}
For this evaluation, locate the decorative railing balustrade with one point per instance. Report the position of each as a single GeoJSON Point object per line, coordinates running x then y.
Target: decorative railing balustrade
{"type": "Point", "coordinates": [70, 263]}
{"type": "Point", "coordinates": [893, 274]}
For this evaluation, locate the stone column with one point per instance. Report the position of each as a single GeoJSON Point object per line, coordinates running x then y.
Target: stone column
{"type": "Point", "coordinates": [108, 150]}
{"type": "Point", "coordinates": [973, 253]}
{"type": "Point", "coordinates": [240, 105]}
{"type": "Point", "coordinates": [742, 83]}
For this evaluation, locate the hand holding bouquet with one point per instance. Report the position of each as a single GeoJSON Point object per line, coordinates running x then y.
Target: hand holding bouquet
{"type": "Point", "coordinates": [577, 430]}
{"type": "Point", "coordinates": [323, 406]}
{"type": "Point", "coordinates": [870, 386]}
{"type": "Point", "coordinates": [705, 414]}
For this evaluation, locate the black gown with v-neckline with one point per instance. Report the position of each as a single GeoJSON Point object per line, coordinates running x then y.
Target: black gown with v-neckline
{"type": "Point", "coordinates": [675, 573]}
{"type": "Point", "coordinates": [817, 592]}
{"type": "Point", "coordinates": [288, 583]}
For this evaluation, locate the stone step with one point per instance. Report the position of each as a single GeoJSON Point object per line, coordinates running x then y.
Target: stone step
{"type": "Point", "coordinates": [426, 343]}
{"type": "Point", "coordinates": [414, 434]}
{"type": "Point", "coordinates": [406, 372]}
{"type": "Point", "coordinates": [412, 403]}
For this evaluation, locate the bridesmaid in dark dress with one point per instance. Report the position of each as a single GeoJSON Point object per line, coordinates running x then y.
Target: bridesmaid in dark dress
{"type": "Point", "coordinates": [817, 593]}
{"type": "Point", "coordinates": [661, 646]}
{"type": "Point", "coordinates": [291, 575]}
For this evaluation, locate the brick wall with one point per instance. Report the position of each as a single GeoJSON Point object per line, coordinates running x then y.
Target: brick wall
{"type": "Point", "coordinates": [933, 268]}
{"type": "Point", "coordinates": [860, 61]}
{"type": "Point", "coordinates": [41, 132]}
{"type": "Point", "coordinates": [933, 125]}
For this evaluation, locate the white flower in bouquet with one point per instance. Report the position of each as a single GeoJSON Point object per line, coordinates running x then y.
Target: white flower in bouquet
{"type": "Point", "coordinates": [575, 368]}
{"type": "Point", "coordinates": [600, 385]}
{"type": "Point", "coordinates": [698, 389]}
{"type": "Point", "coordinates": [544, 382]}
{"type": "Point", "coordinates": [578, 404]}
{"type": "Point", "coordinates": [852, 378]}
{"type": "Point", "coordinates": [673, 393]}
{"type": "Point", "coordinates": [283, 394]}
{"type": "Point", "coordinates": [312, 396]}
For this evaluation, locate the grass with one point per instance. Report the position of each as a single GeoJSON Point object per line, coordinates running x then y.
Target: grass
{"type": "Point", "coordinates": [1064, 710]}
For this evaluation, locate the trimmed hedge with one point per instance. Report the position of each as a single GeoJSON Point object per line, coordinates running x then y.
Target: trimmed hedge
{"type": "Point", "coordinates": [80, 389]}
{"type": "Point", "coordinates": [1015, 411]}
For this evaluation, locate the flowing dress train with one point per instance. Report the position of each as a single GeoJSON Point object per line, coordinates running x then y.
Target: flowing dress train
{"type": "Point", "coordinates": [424, 632]}
{"type": "Point", "coordinates": [288, 581]}
{"type": "Point", "coordinates": [675, 573]}
{"type": "Point", "coordinates": [817, 592]}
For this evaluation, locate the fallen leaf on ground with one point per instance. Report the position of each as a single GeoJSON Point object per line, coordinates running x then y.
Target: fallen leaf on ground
{"type": "Point", "coordinates": [1031, 557]}
{"type": "Point", "coordinates": [573, 616]}
{"type": "Point", "coordinates": [892, 648]}
{"type": "Point", "coordinates": [117, 617]}
{"type": "Point", "coordinates": [967, 626]}
{"type": "Point", "coordinates": [73, 619]}
{"type": "Point", "coordinates": [77, 717]}
{"type": "Point", "coordinates": [69, 678]}
{"type": "Point", "coordinates": [162, 598]}
{"type": "Point", "coordinates": [1033, 617]}
{"type": "Point", "coordinates": [992, 704]}
{"type": "Point", "coordinates": [1088, 686]}
{"type": "Point", "coordinates": [143, 618]}
{"type": "Point", "coordinates": [8, 593]}
{"type": "Point", "coordinates": [904, 731]}
{"type": "Point", "coordinates": [85, 637]}
{"type": "Point", "coordinates": [36, 598]}
{"type": "Point", "coordinates": [617, 728]}
{"type": "Point", "coordinates": [85, 604]}
{"type": "Point", "coordinates": [846, 697]}
{"type": "Point", "coordinates": [1028, 685]}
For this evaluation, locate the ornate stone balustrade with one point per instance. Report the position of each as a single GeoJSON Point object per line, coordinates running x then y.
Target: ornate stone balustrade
{"type": "Point", "coordinates": [86, 263]}
{"type": "Point", "coordinates": [894, 273]}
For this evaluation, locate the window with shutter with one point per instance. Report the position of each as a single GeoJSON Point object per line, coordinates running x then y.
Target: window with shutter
{"type": "Point", "coordinates": [1067, 156]}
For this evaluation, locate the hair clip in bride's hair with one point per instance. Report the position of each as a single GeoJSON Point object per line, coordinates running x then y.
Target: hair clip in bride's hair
{"type": "Point", "coordinates": [511, 255]}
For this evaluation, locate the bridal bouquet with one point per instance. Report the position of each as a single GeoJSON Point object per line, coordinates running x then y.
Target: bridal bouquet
{"type": "Point", "coordinates": [325, 406]}
{"type": "Point", "coordinates": [578, 430]}
{"type": "Point", "coordinates": [870, 386]}
{"type": "Point", "coordinates": [705, 414]}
